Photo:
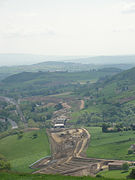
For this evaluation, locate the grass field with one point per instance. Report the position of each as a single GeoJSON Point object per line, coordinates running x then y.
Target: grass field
{"type": "Point", "coordinates": [25, 151]}
{"type": "Point", "coordinates": [110, 145]}
{"type": "Point", "coordinates": [11, 176]}
{"type": "Point", "coordinates": [115, 174]}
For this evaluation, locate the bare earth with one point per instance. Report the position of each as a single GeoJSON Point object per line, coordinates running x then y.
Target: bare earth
{"type": "Point", "coordinates": [82, 104]}
{"type": "Point", "coordinates": [68, 157]}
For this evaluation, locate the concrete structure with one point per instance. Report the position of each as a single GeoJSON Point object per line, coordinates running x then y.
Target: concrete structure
{"type": "Point", "coordinates": [115, 166]}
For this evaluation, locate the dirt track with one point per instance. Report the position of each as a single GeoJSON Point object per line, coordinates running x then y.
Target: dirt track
{"type": "Point", "coordinates": [82, 104]}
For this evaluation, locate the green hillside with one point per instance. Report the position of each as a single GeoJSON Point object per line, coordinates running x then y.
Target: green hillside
{"type": "Point", "coordinates": [109, 100]}
{"type": "Point", "coordinates": [21, 152]}
{"type": "Point", "coordinates": [110, 145]}
{"type": "Point", "coordinates": [47, 83]}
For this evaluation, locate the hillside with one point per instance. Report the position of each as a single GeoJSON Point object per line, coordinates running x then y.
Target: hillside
{"type": "Point", "coordinates": [110, 100]}
{"type": "Point", "coordinates": [21, 152]}
{"type": "Point", "coordinates": [61, 63]}
{"type": "Point", "coordinates": [46, 83]}
{"type": "Point", "coordinates": [105, 145]}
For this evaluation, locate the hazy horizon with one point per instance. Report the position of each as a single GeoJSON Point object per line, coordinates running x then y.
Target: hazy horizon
{"type": "Point", "coordinates": [67, 27]}
{"type": "Point", "coordinates": [29, 59]}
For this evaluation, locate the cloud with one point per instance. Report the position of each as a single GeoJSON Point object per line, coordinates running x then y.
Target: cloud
{"type": "Point", "coordinates": [3, 2]}
{"type": "Point", "coordinates": [129, 7]}
{"type": "Point", "coordinates": [20, 32]}
{"type": "Point", "coordinates": [126, 29]}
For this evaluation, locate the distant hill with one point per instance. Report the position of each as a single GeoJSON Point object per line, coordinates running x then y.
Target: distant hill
{"type": "Point", "coordinates": [121, 59]}
{"type": "Point", "coordinates": [47, 83]}
{"type": "Point", "coordinates": [61, 63]}
{"type": "Point", "coordinates": [28, 59]}
{"type": "Point", "coordinates": [53, 66]}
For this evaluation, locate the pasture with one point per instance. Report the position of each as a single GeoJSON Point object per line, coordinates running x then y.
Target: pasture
{"type": "Point", "coordinates": [26, 150]}
{"type": "Point", "coordinates": [110, 145]}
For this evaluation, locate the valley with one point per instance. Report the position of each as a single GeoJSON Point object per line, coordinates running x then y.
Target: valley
{"type": "Point", "coordinates": [68, 123]}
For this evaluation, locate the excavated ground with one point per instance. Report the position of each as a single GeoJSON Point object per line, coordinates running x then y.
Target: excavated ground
{"type": "Point", "coordinates": [67, 147]}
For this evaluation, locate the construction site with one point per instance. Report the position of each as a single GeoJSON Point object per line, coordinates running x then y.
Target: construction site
{"type": "Point", "coordinates": [68, 149]}
{"type": "Point", "coordinates": [68, 155]}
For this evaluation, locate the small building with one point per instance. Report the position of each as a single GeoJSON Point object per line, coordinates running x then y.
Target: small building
{"type": "Point", "coordinates": [115, 166]}
{"type": "Point", "coordinates": [59, 126]}
{"type": "Point", "coordinates": [132, 147]}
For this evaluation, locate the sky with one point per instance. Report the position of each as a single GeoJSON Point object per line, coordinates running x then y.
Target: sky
{"type": "Point", "coordinates": [67, 27]}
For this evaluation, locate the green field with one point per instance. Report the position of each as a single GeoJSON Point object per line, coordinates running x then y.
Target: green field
{"type": "Point", "coordinates": [12, 176]}
{"type": "Point", "coordinates": [115, 174]}
{"type": "Point", "coordinates": [110, 145]}
{"type": "Point", "coordinates": [25, 151]}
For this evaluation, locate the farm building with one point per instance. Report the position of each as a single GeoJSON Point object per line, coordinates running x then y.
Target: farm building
{"type": "Point", "coordinates": [115, 166]}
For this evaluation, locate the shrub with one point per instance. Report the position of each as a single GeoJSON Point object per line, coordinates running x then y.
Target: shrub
{"type": "Point", "coordinates": [34, 136]}
{"type": "Point", "coordinates": [4, 165]}
{"type": "Point", "coordinates": [132, 174]}
{"type": "Point", "coordinates": [20, 134]}
{"type": "Point", "coordinates": [125, 166]}
{"type": "Point", "coordinates": [98, 176]}
{"type": "Point", "coordinates": [130, 151]}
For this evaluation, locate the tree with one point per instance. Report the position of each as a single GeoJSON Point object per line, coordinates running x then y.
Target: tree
{"type": "Point", "coordinates": [130, 151]}
{"type": "Point", "coordinates": [105, 127]}
{"type": "Point", "coordinates": [125, 166]}
{"type": "Point", "coordinates": [31, 123]}
{"type": "Point", "coordinates": [58, 106]}
{"type": "Point", "coordinates": [132, 174]}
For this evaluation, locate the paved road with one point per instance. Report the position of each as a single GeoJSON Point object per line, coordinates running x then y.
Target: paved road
{"type": "Point", "coordinates": [13, 124]}
{"type": "Point", "coordinates": [12, 101]}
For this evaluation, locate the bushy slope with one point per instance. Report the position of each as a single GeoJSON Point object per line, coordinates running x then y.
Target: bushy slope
{"type": "Point", "coordinates": [46, 83]}
{"type": "Point", "coordinates": [113, 99]}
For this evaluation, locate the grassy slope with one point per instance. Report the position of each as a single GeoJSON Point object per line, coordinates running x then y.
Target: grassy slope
{"type": "Point", "coordinates": [115, 174]}
{"type": "Point", "coordinates": [23, 152]}
{"type": "Point", "coordinates": [11, 176]}
{"type": "Point", "coordinates": [110, 145]}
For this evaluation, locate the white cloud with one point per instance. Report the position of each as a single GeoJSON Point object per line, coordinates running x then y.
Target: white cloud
{"type": "Point", "coordinates": [25, 32]}
{"type": "Point", "coordinates": [67, 27]}
{"type": "Point", "coordinates": [129, 7]}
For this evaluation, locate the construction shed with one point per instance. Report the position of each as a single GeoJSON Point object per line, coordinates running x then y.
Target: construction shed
{"type": "Point", "coordinates": [115, 166]}
{"type": "Point", "coordinates": [59, 126]}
